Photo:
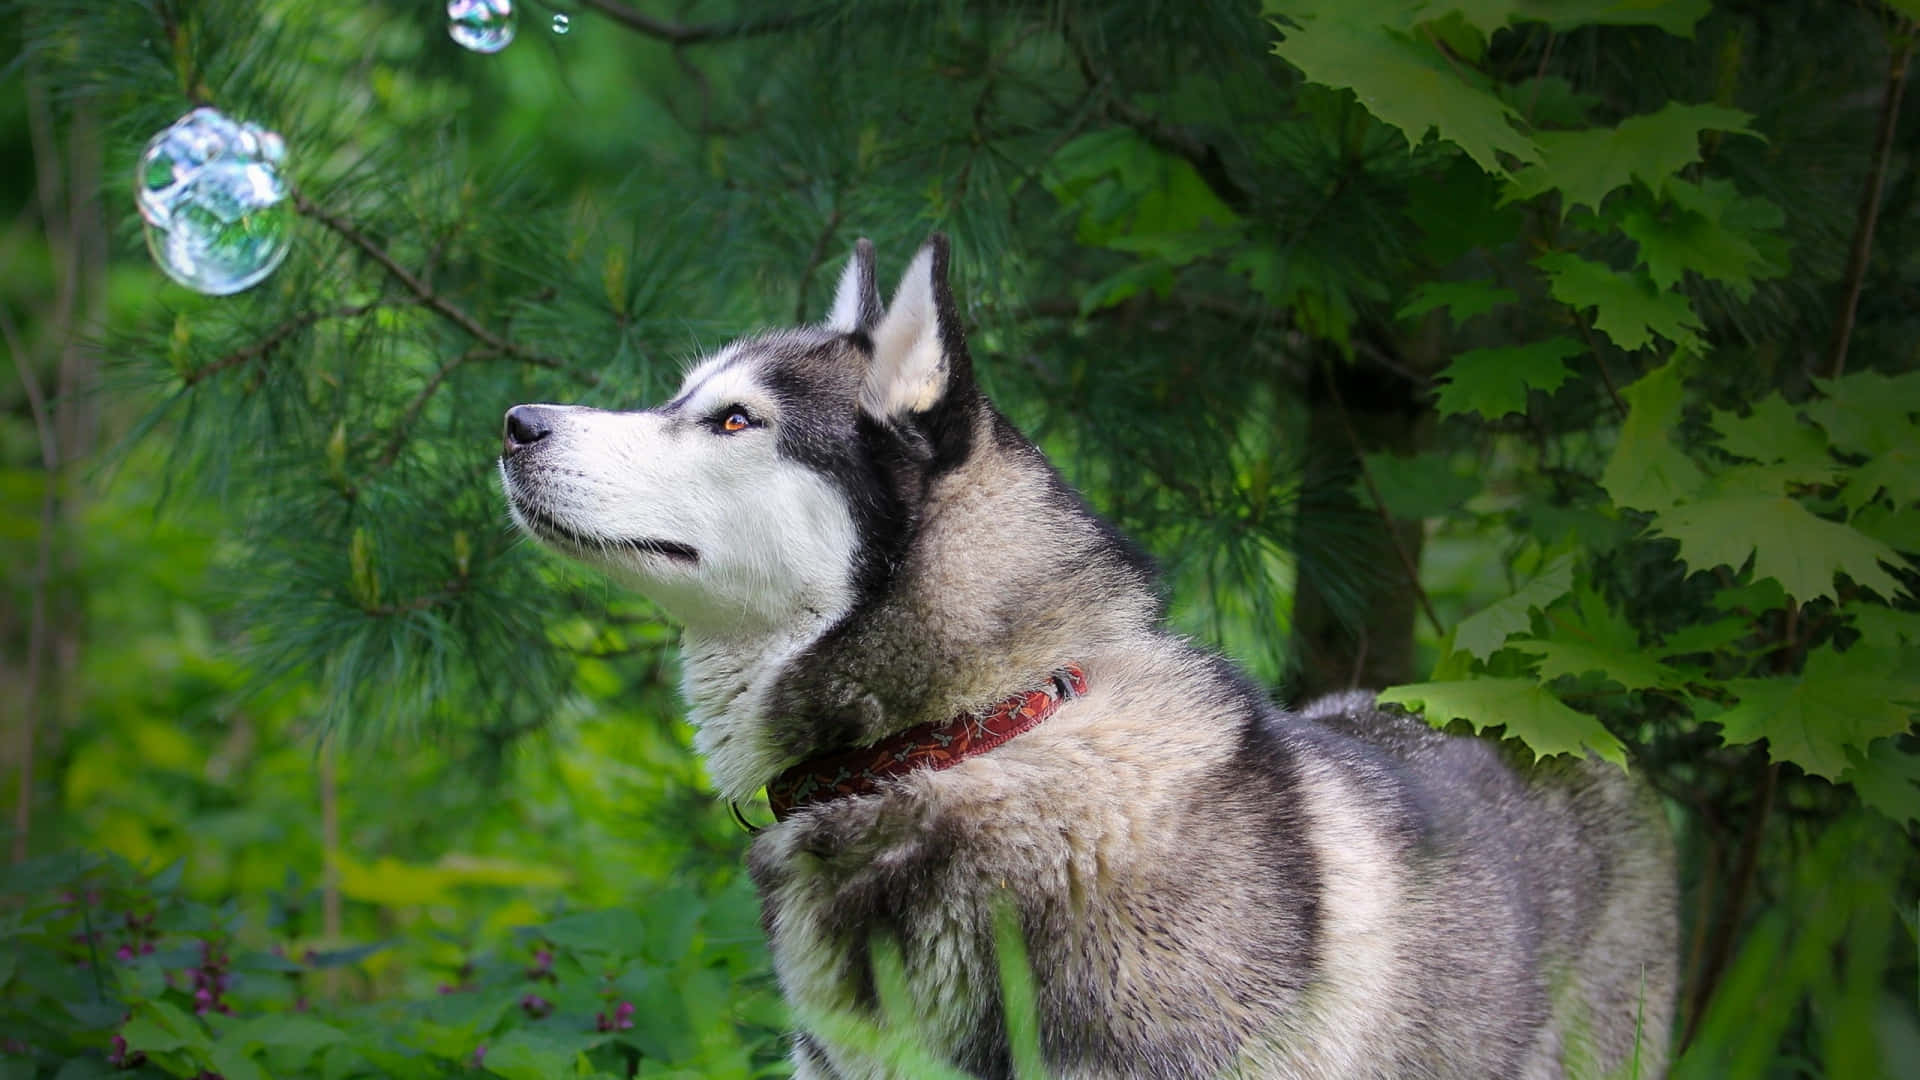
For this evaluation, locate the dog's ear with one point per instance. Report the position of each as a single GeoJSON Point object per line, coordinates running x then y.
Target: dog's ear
{"type": "Point", "coordinates": [856, 302]}
{"type": "Point", "coordinates": [919, 352]}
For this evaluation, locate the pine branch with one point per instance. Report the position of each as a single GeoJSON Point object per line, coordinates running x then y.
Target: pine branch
{"type": "Point", "coordinates": [1203, 156]}
{"type": "Point", "coordinates": [814, 259]}
{"type": "Point", "coordinates": [1905, 37]}
{"type": "Point", "coordinates": [278, 336]}
{"type": "Point", "coordinates": [403, 430]}
{"type": "Point", "coordinates": [435, 302]}
{"type": "Point", "coordinates": [699, 34]}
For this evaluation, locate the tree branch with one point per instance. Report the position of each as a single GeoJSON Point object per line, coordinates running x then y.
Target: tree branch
{"type": "Point", "coordinates": [404, 429]}
{"type": "Point", "coordinates": [438, 304]}
{"type": "Point", "coordinates": [1906, 35]}
{"type": "Point", "coordinates": [1203, 156]}
{"type": "Point", "coordinates": [277, 336]}
{"type": "Point", "coordinates": [697, 34]}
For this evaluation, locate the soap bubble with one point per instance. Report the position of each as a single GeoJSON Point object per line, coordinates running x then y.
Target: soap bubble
{"type": "Point", "coordinates": [213, 203]}
{"type": "Point", "coordinates": [485, 26]}
{"type": "Point", "coordinates": [562, 22]}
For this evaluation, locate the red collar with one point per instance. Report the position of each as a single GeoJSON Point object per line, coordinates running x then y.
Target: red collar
{"type": "Point", "coordinates": [929, 746]}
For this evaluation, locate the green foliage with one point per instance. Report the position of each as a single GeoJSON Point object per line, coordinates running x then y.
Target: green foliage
{"type": "Point", "coordinates": [128, 971]}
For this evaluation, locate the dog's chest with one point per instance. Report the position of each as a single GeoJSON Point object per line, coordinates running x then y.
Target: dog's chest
{"type": "Point", "coordinates": [838, 899]}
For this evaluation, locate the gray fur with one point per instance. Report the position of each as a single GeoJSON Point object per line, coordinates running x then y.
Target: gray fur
{"type": "Point", "coordinates": [1208, 885]}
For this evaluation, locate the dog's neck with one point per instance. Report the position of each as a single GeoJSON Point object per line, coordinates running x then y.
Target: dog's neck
{"type": "Point", "coordinates": [727, 680]}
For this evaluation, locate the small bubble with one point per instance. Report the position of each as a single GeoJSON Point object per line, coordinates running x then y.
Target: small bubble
{"type": "Point", "coordinates": [562, 22]}
{"type": "Point", "coordinates": [485, 26]}
{"type": "Point", "coordinates": [212, 202]}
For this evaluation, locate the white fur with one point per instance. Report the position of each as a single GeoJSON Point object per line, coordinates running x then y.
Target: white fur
{"type": "Point", "coordinates": [909, 370]}
{"type": "Point", "coordinates": [845, 316]}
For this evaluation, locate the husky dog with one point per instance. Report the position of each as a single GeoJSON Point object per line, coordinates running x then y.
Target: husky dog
{"type": "Point", "coordinates": [955, 682]}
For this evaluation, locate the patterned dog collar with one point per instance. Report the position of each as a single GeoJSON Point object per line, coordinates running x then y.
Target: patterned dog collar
{"type": "Point", "coordinates": [929, 746]}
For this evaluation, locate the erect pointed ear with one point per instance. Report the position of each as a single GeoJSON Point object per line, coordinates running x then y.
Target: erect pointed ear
{"type": "Point", "coordinates": [856, 302]}
{"type": "Point", "coordinates": [919, 353]}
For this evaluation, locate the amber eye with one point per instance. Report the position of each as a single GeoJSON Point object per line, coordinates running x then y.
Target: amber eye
{"type": "Point", "coordinates": [737, 420]}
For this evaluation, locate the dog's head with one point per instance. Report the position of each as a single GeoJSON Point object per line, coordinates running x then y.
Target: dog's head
{"type": "Point", "coordinates": [782, 481]}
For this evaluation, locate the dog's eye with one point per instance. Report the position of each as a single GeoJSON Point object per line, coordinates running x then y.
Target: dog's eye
{"type": "Point", "coordinates": [736, 420]}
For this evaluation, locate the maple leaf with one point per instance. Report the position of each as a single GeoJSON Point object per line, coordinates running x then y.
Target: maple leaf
{"type": "Point", "coordinates": [1785, 540]}
{"type": "Point", "coordinates": [1627, 307]}
{"type": "Point", "coordinates": [1886, 778]}
{"type": "Point", "coordinates": [1494, 382]}
{"type": "Point", "coordinates": [1405, 83]}
{"type": "Point", "coordinates": [1898, 529]}
{"type": "Point", "coordinates": [1867, 412]}
{"type": "Point", "coordinates": [1646, 471]}
{"type": "Point", "coordinates": [1421, 486]}
{"type": "Point", "coordinates": [1771, 431]}
{"type": "Point", "coordinates": [1896, 472]}
{"type": "Point", "coordinates": [1589, 636]}
{"type": "Point", "coordinates": [1525, 709]}
{"type": "Point", "coordinates": [1775, 479]}
{"type": "Point", "coordinates": [1462, 299]}
{"type": "Point", "coordinates": [1483, 632]}
{"type": "Point", "coordinates": [1707, 228]}
{"type": "Point", "coordinates": [1838, 701]}
{"type": "Point", "coordinates": [1588, 165]}
{"type": "Point", "coordinates": [1674, 16]}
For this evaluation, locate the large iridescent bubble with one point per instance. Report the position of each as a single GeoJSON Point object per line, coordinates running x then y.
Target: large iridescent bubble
{"type": "Point", "coordinates": [213, 202]}
{"type": "Point", "coordinates": [485, 26]}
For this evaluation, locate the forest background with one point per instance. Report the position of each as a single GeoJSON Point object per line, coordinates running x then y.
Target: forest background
{"type": "Point", "coordinates": [1555, 364]}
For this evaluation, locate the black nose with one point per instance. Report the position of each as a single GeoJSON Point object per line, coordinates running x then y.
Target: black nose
{"type": "Point", "coordinates": [526, 425]}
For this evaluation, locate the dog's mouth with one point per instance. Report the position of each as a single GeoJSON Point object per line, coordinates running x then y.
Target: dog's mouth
{"type": "Point", "coordinates": [548, 528]}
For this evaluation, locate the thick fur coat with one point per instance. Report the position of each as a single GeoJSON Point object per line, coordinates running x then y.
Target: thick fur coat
{"type": "Point", "coordinates": [1209, 886]}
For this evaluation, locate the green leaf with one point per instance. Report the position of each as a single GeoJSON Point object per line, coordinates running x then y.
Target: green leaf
{"type": "Point", "coordinates": [1840, 700]}
{"type": "Point", "coordinates": [523, 1056]}
{"type": "Point", "coordinates": [285, 1031]}
{"type": "Point", "coordinates": [1494, 382]}
{"type": "Point", "coordinates": [1895, 472]}
{"type": "Point", "coordinates": [1422, 486]}
{"type": "Point", "coordinates": [1886, 778]}
{"type": "Point", "coordinates": [1627, 306]}
{"type": "Point", "coordinates": [1588, 165]}
{"type": "Point", "coordinates": [1136, 197]}
{"type": "Point", "coordinates": [1704, 637]}
{"type": "Point", "coordinates": [1785, 540]}
{"type": "Point", "coordinates": [1589, 636]}
{"type": "Point", "coordinates": [1483, 633]}
{"type": "Point", "coordinates": [1778, 479]}
{"type": "Point", "coordinates": [1676, 17]}
{"type": "Point", "coordinates": [1699, 231]}
{"type": "Point", "coordinates": [1898, 529]}
{"type": "Point", "coordinates": [232, 1063]}
{"type": "Point", "coordinates": [1462, 299]}
{"type": "Point", "coordinates": [1646, 471]}
{"type": "Point", "coordinates": [1406, 83]}
{"type": "Point", "coordinates": [1771, 431]}
{"type": "Point", "coordinates": [1576, 658]}
{"type": "Point", "coordinates": [1527, 710]}
{"type": "Point", "coordinates": [1867, 412]}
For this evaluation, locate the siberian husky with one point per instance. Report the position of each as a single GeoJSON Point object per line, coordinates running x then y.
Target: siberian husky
{"type": "Point", "coordinates": [954, 681]}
